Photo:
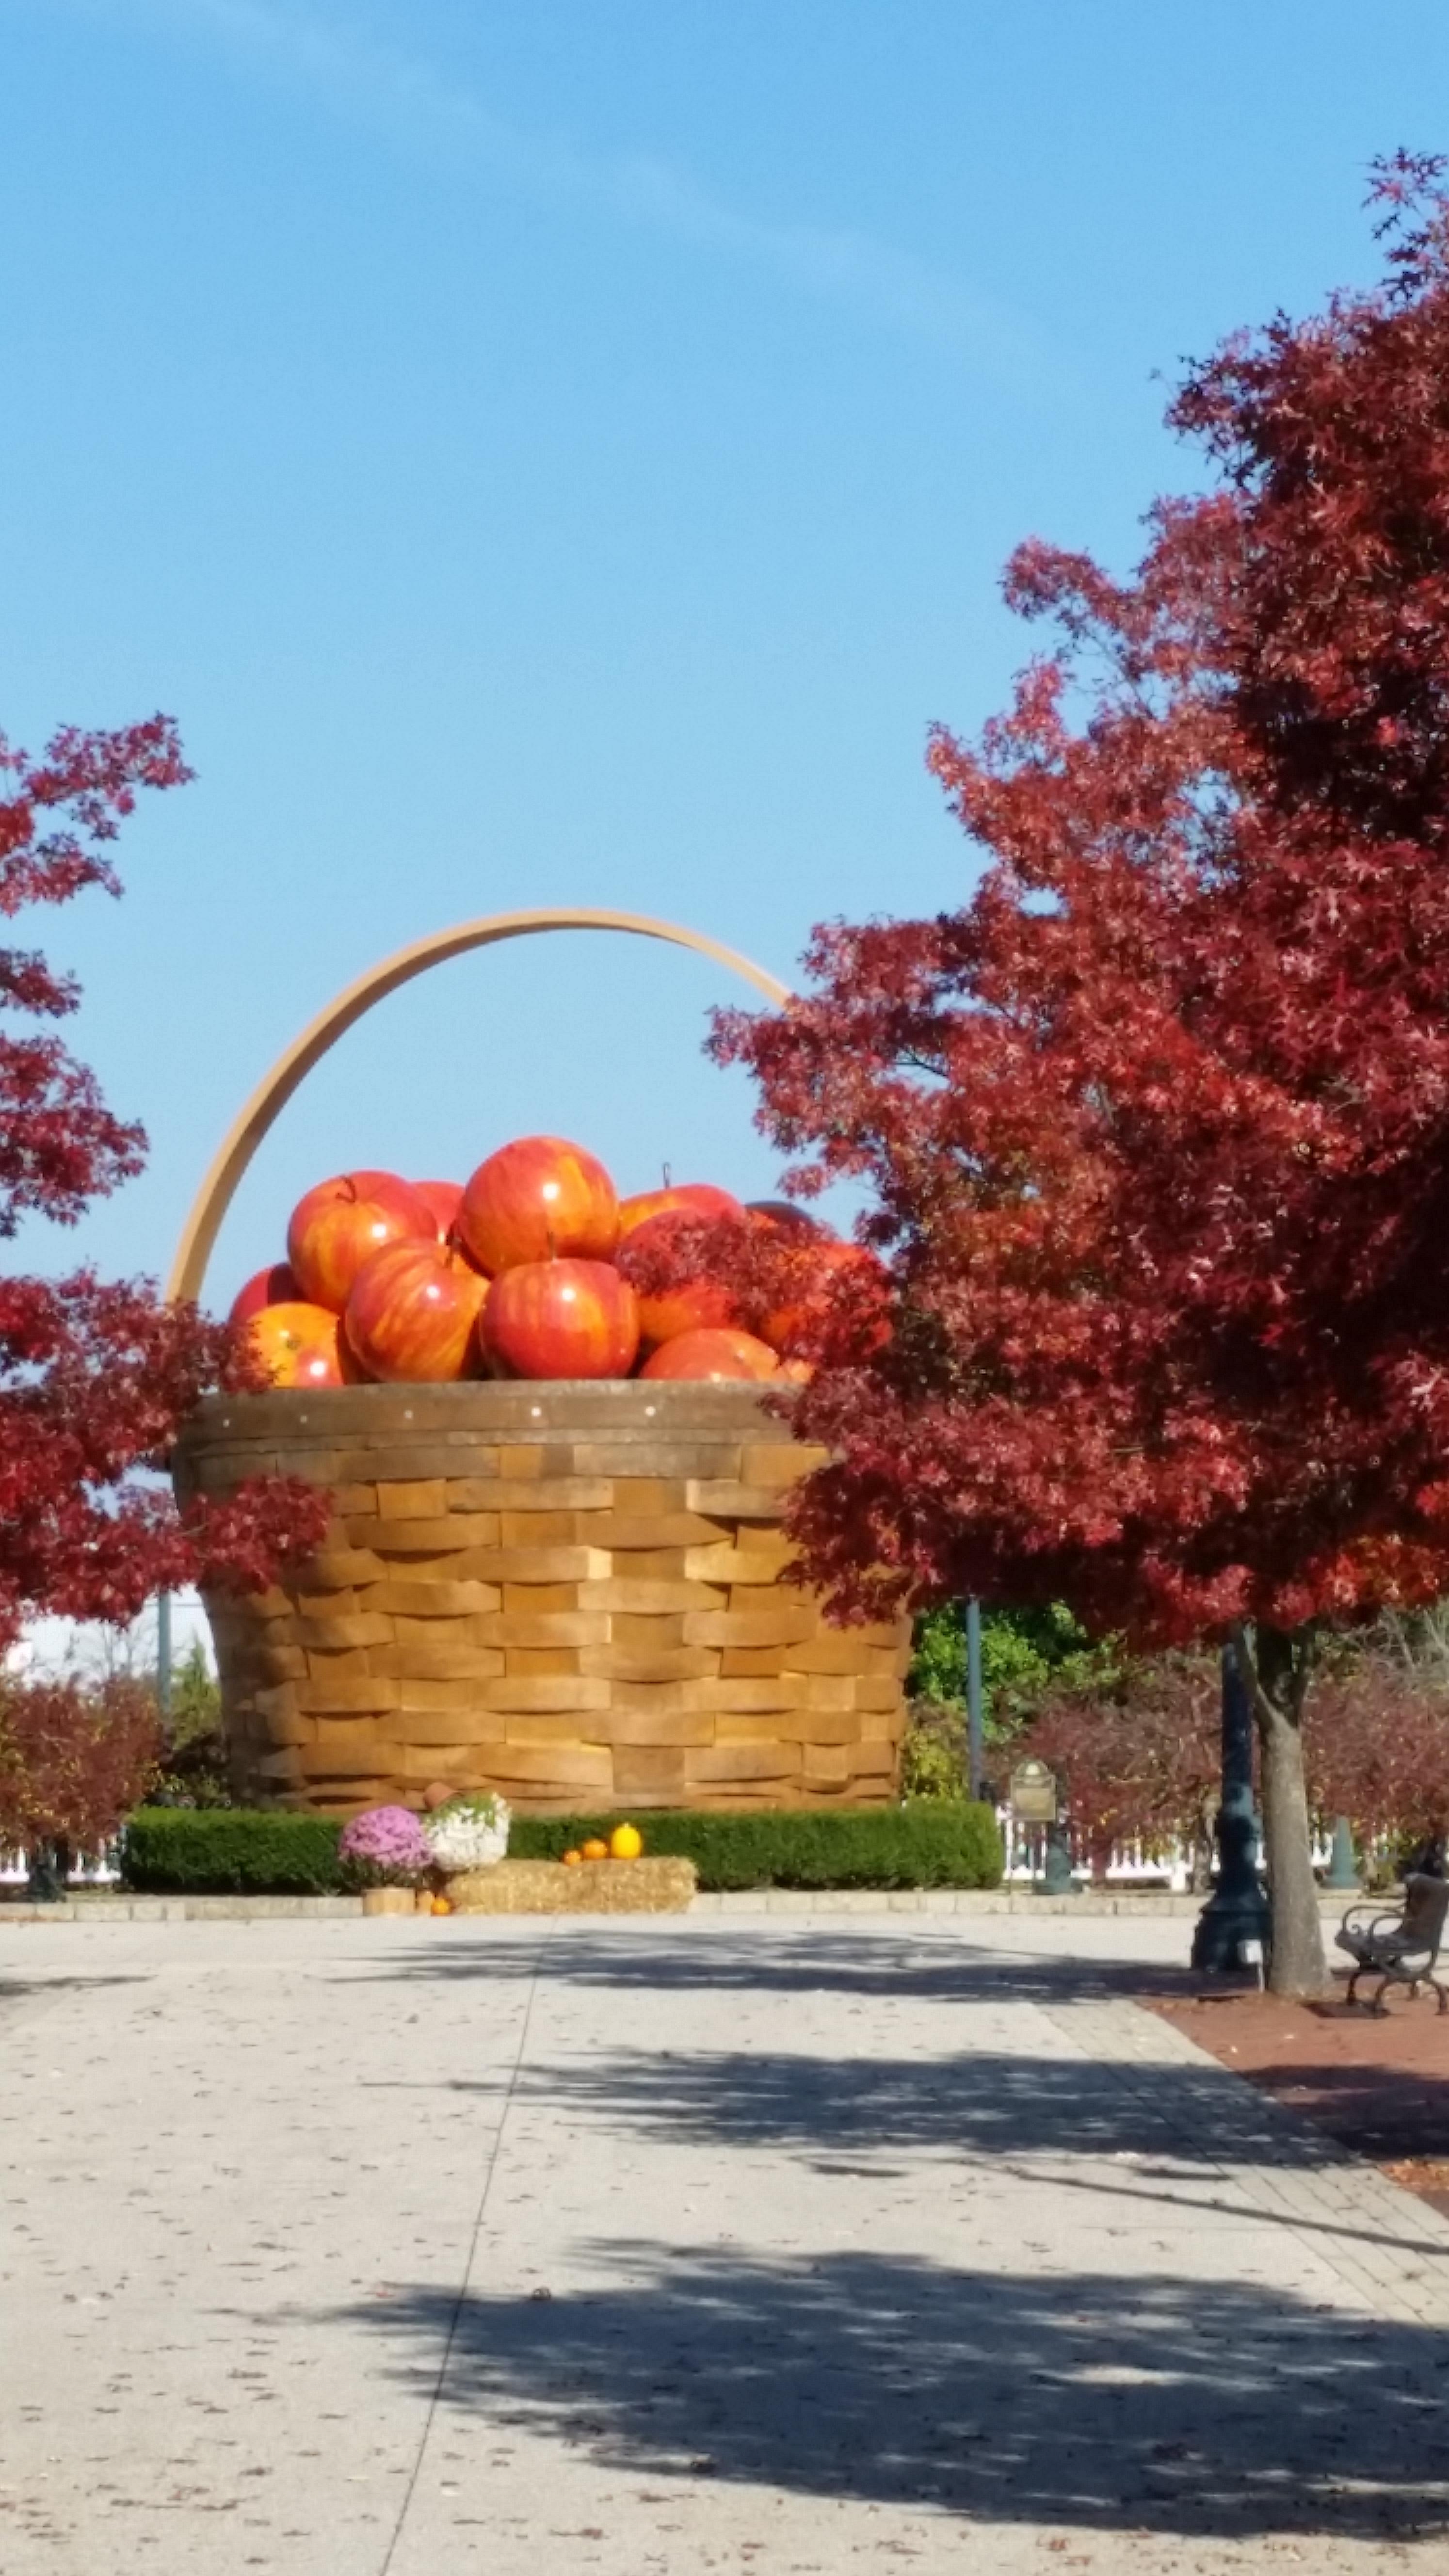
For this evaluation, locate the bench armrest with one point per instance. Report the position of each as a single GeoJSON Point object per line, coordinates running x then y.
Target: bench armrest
{"type": "Point", "coordinates": [1380, 1922]}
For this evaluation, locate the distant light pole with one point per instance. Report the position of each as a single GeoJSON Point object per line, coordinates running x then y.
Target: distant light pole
{"type": "Point", "coordinates": [1342, 1875]}
{"type": "Point", "coordinates": [975, 1712]}
{"type": "Point", "coordinates": [163, 1654]}
{"type": "Point", "coordinates": [1237, 1913]}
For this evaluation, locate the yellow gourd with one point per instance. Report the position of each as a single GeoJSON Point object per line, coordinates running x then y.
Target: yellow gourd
{"type": "Point", "coordinates": [625, 1843]}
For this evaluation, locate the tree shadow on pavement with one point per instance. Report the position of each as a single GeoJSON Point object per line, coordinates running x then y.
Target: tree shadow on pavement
{"type": "Point", "coordinates": [1109, 2130]}
{"type": "Point", "coordinates": [837, 1961]}
{"type": "Point", "coordinates": [983, 2102]}
{"type": "Point", "coordinates": [1192, 2407]}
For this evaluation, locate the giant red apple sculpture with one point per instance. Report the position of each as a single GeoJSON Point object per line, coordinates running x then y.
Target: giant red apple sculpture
{"type": "Point", "coordinates": [443, 1199]}
{"type": "Point", "coordinates": [687, 1305]}
{"type": "Point", "coordinates": [839, 1304]}
{"type": "Point", "coordinates": [301, 1345]}
{"type": "Point", "coordinates": [782, 1217]}
{"type": "Point", "coordinates": [340, 1222]}
{"type": "Point", "coordinates": [535, 1198]}
{"type": "Point", "coordinates": [561, 1319]}
{"type": "Point", "coordinates": [413, 1314]}
{"type": "Point", "coordinates": [278, 1286]}
{"type": "Point", "coordinates": [690, 1198]}
{"type": "Point", "coordinates": [712, 1355]}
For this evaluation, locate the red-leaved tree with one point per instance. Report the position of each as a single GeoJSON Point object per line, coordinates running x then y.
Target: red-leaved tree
{"type": "Point", "coordinates": [74, 1757]}
{"type": "Point", "coordinates": [1139, 1756]}
{"type": "Point", "coordinates": [96, 1376]}
{"type": "Point", "coordinates": [1139, 1751]}
{"type": "Point", "coordinates": [1380, 1752]}
{"type": "Point", "coordinates": [1157, 1123]}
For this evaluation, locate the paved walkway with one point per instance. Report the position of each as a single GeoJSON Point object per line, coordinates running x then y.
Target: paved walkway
{"type": "Point", "coordinates": [412, 2249]}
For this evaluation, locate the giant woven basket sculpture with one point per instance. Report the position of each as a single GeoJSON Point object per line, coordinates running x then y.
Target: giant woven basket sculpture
{"type": "Point", "coordinates": [567, 1591]}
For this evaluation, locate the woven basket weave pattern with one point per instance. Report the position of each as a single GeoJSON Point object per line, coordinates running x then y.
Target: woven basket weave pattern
{"type": "Point", "coordinates": [568, 1593]}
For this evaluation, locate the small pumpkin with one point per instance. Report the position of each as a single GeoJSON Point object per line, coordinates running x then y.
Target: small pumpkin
{"type": "Point", "coordinates": [442, 1905]}
{"type": "Point", "coordinates": [573, 1859]}
{"type": "Point", "coordinates": [625, 1843]}
{"type": "Point", "coordinates": [595, 1850]}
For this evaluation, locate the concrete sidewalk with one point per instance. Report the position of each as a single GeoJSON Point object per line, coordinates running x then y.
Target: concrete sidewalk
{"type": "Point", "coordinates": [378, 2248]}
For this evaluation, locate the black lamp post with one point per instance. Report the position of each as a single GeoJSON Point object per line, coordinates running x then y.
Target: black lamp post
{"type": "Point", "coordinates": [975, 1710]}
{"type": "Point", "coordinates": [1237, 1912]}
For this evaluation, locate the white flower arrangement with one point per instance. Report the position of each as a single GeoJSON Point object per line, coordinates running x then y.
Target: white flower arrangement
{"type": "Point", "coordinates": [469, 1832]}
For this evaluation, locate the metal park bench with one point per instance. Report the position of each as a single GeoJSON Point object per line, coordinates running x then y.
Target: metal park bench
{"type": "Point", "coordinates": [1401, 1948]}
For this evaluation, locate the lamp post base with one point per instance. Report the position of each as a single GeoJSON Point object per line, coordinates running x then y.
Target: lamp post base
{"type": "Point", "coordinates": [49, 1869]}
{"type": "Point", "coordinates": [1056, 1876]}
{"type": "Point", "coordinates": [1237, 1914]}
{"type": "Point", "coordinates": [1229, 1927]}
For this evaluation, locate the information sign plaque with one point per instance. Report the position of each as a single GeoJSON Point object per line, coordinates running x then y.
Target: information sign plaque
{"type": "Point", "coordinates": [1034, 1793]}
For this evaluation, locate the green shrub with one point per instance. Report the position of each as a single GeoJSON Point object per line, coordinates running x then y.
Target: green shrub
{"type": "Point", "coordinates": [230, 1851]}
{"type": "Point", "coordinates": [936, 1843]}
{"type": "Point", "coordinates": [935, 1755]}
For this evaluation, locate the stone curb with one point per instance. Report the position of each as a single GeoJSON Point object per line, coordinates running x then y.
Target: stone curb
{"type": "Point", "coordinates": [751, 1901]}
{"type": "Point", "coordinates": [185, 1909]}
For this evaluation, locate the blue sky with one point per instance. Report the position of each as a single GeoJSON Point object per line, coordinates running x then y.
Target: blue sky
{"type": "Point", "coordinates": [565, 453]}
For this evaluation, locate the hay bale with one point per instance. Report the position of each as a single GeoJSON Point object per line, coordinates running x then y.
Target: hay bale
{"type": "Point", "coordinates": [658, 1886]}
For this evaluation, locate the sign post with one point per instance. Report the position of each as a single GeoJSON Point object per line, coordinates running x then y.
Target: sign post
{"type": "Point", "coordinates": [1035, 1801]}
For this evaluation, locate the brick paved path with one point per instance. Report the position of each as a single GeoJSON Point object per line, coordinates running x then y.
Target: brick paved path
{"type": "Point", "coordinates": [410, 2249]}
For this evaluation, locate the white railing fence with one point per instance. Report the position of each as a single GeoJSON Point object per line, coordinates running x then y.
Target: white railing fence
{"type": "Point", "coordinates": [1137, 1864]}
{"type": "Point", "coordinates": [88, 1869]}
{"type": "Point", "coordinates": [1129, 1864]}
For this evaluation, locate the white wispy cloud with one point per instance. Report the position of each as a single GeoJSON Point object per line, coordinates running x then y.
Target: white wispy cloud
{"type": "Point", "coordinates": [400, 94]}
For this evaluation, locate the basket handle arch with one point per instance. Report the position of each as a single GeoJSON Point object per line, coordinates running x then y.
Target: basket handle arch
{"type": "Point", "coordinates": [234, 1154]}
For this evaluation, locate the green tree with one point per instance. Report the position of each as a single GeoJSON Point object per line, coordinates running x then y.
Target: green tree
{"type": "Point", "coordinates": [1024, 1653]}
{"type": "Point", "coordinates": [193, 1762]}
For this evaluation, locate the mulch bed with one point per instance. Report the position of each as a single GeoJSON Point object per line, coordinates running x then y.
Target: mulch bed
{"type": "Point", "coordinates": [1379, 2083]}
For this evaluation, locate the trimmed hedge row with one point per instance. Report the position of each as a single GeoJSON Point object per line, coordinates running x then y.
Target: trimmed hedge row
{"type": "Point", "coordinates": [230, 1851]}
{"type": "Point", "coordinates": [933, 1843]}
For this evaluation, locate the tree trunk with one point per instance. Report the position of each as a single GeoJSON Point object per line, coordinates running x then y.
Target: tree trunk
{"type": "Point", "coordinates": [1280, 1664]}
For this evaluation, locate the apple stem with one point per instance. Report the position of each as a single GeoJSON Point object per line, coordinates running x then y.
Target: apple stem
{"type": "Point", "coordinates": [665, 1169]}
{"type": "Point", "coordinates": [548, 1238]}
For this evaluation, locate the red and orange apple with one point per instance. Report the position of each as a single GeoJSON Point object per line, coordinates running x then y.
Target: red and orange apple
{"type": "Point", "coordinates": [340, 1222]}
{"type": "Point", "coordinates": [301, 1345]}
{"type": "Point", "coordinates": [689, 1198]}
{"type": "Point", "coordinates": [413, 1314]}
{"type": "Point", "coordinates": [538, 1198]}
{"type": "Point", "coordinates": [560, 1319]}
{"type": "Point", "coordinates": [782, 1217]}
{"type": "Point", "coordinates": [712, 1355]}
{"type": "Point", "coordinates": [826, 1313]}
{"type": "Point", "coordinates": [443, 1198]}
{"type": "Point", "coordinates": [278, 1286]}
{"type": "Point", "coordinates": [684, 1305]}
